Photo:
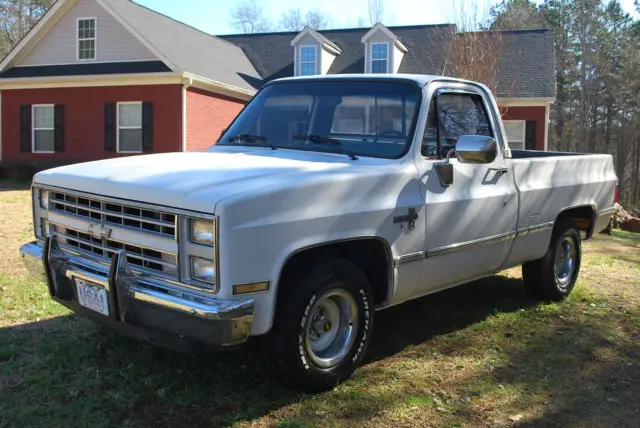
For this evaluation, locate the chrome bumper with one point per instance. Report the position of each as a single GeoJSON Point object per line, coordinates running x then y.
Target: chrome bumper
{"type": "Point", "coordinates": [137, 303]}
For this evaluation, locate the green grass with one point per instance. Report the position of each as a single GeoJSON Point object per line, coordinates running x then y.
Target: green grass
{"type": "Point", "coordinates": [627, 237]}
{"type": "Point", "coordinates": [483, 354]}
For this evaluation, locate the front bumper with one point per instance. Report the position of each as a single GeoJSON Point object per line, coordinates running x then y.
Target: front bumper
{"type": "Point", "coordinates": [140, 306]}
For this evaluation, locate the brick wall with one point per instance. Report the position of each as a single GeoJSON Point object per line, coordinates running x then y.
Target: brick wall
{"type": "Point", "coordinates": [207, 115]}
{"type": "Point", "coordinates": [84, 120]}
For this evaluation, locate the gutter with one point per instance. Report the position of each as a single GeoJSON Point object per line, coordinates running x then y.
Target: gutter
{"type": "Point", "coordinates": [88, 80]}
{"type": "Point", "coordinates": [219, 87]}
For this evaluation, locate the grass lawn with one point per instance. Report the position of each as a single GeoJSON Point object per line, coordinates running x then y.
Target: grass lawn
{"type": "Point", "coordinates": [480, 355]}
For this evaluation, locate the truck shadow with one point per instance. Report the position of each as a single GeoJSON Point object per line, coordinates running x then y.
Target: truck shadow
{"type": "Point", "coordinates": [75, 364]}
{"type": "Point", "coordinates": [422, 319]}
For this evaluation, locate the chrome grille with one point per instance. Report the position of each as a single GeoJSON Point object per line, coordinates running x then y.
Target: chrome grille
{"type": "Point", "coordinates": [104, 248]}
{"type": "Point", "coordinates": [116, 214]}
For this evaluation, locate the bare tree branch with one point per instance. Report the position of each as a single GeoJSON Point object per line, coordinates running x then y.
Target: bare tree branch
{"type": "Point", "coordinates": [292, 20]}
{"type": "Point", "coordinates": [249, 18]}
{"type": "Point", "coordinates": [376, 11]}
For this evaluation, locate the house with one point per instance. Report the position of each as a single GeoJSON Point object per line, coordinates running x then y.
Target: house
{"type": "Point", "coordinates": [103, 78]}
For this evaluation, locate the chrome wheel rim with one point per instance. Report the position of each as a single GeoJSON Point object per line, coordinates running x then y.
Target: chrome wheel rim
{"type": "Point", "coordinates": [565, 263]}
{"type": "Point", "coordinates": [331, 328]}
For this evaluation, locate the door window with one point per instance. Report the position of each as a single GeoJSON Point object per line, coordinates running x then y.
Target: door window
{"type": "Point", "coordinates": [450, 116]}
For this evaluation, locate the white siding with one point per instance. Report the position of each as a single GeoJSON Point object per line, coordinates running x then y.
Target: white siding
{"type": "Point", "coordinates": [396, 55]}
{"type": "Point", "coordinates": [114, 43]}
{"type": "Point", "coordinates": [327, 60]}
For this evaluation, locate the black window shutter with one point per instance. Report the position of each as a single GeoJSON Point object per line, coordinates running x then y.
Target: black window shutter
{"type": "Point", "coordinates": [147, 127]}
{"type": "Point", "coordinates": [25, 129]}
{"type": "Point", "coordinates": [59, 128]}
{"type": "Point", "coordinates": [110, 127]}
{"type": "Point", "coordinates": [530, 135]}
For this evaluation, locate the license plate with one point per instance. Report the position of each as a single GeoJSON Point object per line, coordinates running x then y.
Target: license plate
{"type": "Point", "coordinates": [92, 297]}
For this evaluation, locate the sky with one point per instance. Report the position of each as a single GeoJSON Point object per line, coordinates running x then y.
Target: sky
{"type": "Point", "coordinates": [212, 16]}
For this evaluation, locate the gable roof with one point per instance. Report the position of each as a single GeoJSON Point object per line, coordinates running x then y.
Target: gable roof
{"type": "Point", "coordinates": [382, 28]}
{"type": "Point", "coordinates": [272, 55]}
{"type": "Point", "coordinates": [241, 63]}
{"type": "Point", "coordinates": [318, 37]}
{"type": "Point", "coordinates": [190, 50]}
{"type": "Point", "coordinates": [527, 62]}
{"type": "Point", "coordinates": [182, 48]}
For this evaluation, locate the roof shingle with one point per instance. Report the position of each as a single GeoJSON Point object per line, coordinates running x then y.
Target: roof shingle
{"type": "Point", "coordinates": [189, 49]}
{"type": "Point", "coordinates": [527, 63]}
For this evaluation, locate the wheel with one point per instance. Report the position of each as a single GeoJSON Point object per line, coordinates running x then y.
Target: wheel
{"type": "Point", "coordinates": [554, 275]}
{"type": "Point", "coordinates": [322, 328]}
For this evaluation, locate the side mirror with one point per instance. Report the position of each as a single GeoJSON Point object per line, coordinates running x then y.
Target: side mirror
{"type": "Point", "coordinates": [476, 149]}
{"type": "Point", "coordinates": [445, 170]}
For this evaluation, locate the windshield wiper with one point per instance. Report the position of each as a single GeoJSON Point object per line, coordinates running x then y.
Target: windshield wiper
{"type": "Point", "coordinates": [336, 144]}
{"type": "Point", "coordinates": [253, 139]}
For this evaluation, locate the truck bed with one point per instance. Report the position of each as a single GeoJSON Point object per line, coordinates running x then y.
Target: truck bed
{"type": "Point", "coordinates": [551, 181]}
{"type": "Point", "coordinates": [525, 154]}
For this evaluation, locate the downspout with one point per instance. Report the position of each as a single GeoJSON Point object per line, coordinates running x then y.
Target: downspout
{"type": "Point", "coordinates": [547, 108]}
{"type": "Point", "coordinates": [187, 83]}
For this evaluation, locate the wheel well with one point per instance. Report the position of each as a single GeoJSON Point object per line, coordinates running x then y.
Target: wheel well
{"type": "Point", "coordinates": [370, 254]}
{"type": "Point", "coordinates": [582, 216]}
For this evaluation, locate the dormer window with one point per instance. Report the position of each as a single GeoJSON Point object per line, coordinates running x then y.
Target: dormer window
{"type": "Point", "coordinates": [313, 53]}
{"type": "Point", "coordinates": [308, 60]}
{"type": "Point", "coordinates": [379, 57]}
{"type": "Point", "coordinates": [86, 43]}
{"type": "Point", "coordinates": [383, 50]}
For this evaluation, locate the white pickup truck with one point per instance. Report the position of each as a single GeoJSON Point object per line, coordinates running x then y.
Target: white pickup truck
{"type": "Point", "coordinates": [327, 198]}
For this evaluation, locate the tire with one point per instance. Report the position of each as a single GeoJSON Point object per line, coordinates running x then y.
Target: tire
{"type": "Point", "coordinates": [553, 276]}
{"type": "Point", "coordinates": [311, 346]}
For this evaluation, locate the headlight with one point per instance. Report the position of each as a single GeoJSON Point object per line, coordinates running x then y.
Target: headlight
{"type": "Point", "coordinates": [203, 270]}
{"type": "Point", "coordinates": [44, 199]}
{"type": "Point", "coordinates": [202, 232]}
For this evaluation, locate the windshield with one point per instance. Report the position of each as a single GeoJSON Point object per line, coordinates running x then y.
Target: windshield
{"type": "Point", "coordinates": [357, 118]}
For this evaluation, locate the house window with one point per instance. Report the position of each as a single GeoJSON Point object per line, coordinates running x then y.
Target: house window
{"type": "Point", "coordinates": [515, 131]}
{"type": "Point", "coordinates": [130, 127]}
{"type": "Point", "coordinates": [43, 128]}
{"type": "Point", "coordinates": [86, 39]}
{"type": "Point", "coordinates": [379, 57]}
{"type": "Point", "coordinates": [308, 61]}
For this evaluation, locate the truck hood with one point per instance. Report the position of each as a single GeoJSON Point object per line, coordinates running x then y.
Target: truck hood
{"type": "Point", "coordinates": [197, 181]}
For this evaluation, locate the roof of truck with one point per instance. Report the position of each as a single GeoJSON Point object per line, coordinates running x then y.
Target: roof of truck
{"type": "Point", "coordinates": [420, 79]}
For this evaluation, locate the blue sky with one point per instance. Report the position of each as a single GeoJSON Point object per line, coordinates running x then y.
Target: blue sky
{"type": "Point", "coordinates": [212, 16]}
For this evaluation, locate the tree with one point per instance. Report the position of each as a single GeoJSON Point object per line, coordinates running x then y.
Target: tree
{"type": "Point", "coordinates": [475, 55]}
{"type": "Point", "coordinates": [249, 18]}
{"type": "Point", "coordinates": [376, 11]}
{"type": "Point", "coordinates": [597, 107]}
{"type": "Point", "coordinates": [16, 19]}
{"type": "Point", "coordinates": [294, 20]}
{"type": "Point", "coordinates": [317, 20]}
{"type": "Point", "coordinates": [516, 15]}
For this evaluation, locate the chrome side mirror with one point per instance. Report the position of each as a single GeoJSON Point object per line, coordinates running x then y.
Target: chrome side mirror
{"type": "Point", "coordinates": [476, 149]}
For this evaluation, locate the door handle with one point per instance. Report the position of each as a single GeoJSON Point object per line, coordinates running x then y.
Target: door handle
{"type": "Point", "coordinates": [500, 170]}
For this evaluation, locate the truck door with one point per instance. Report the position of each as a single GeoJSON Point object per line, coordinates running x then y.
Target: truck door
{"type": "Point", "coordinates": [470, 225]}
